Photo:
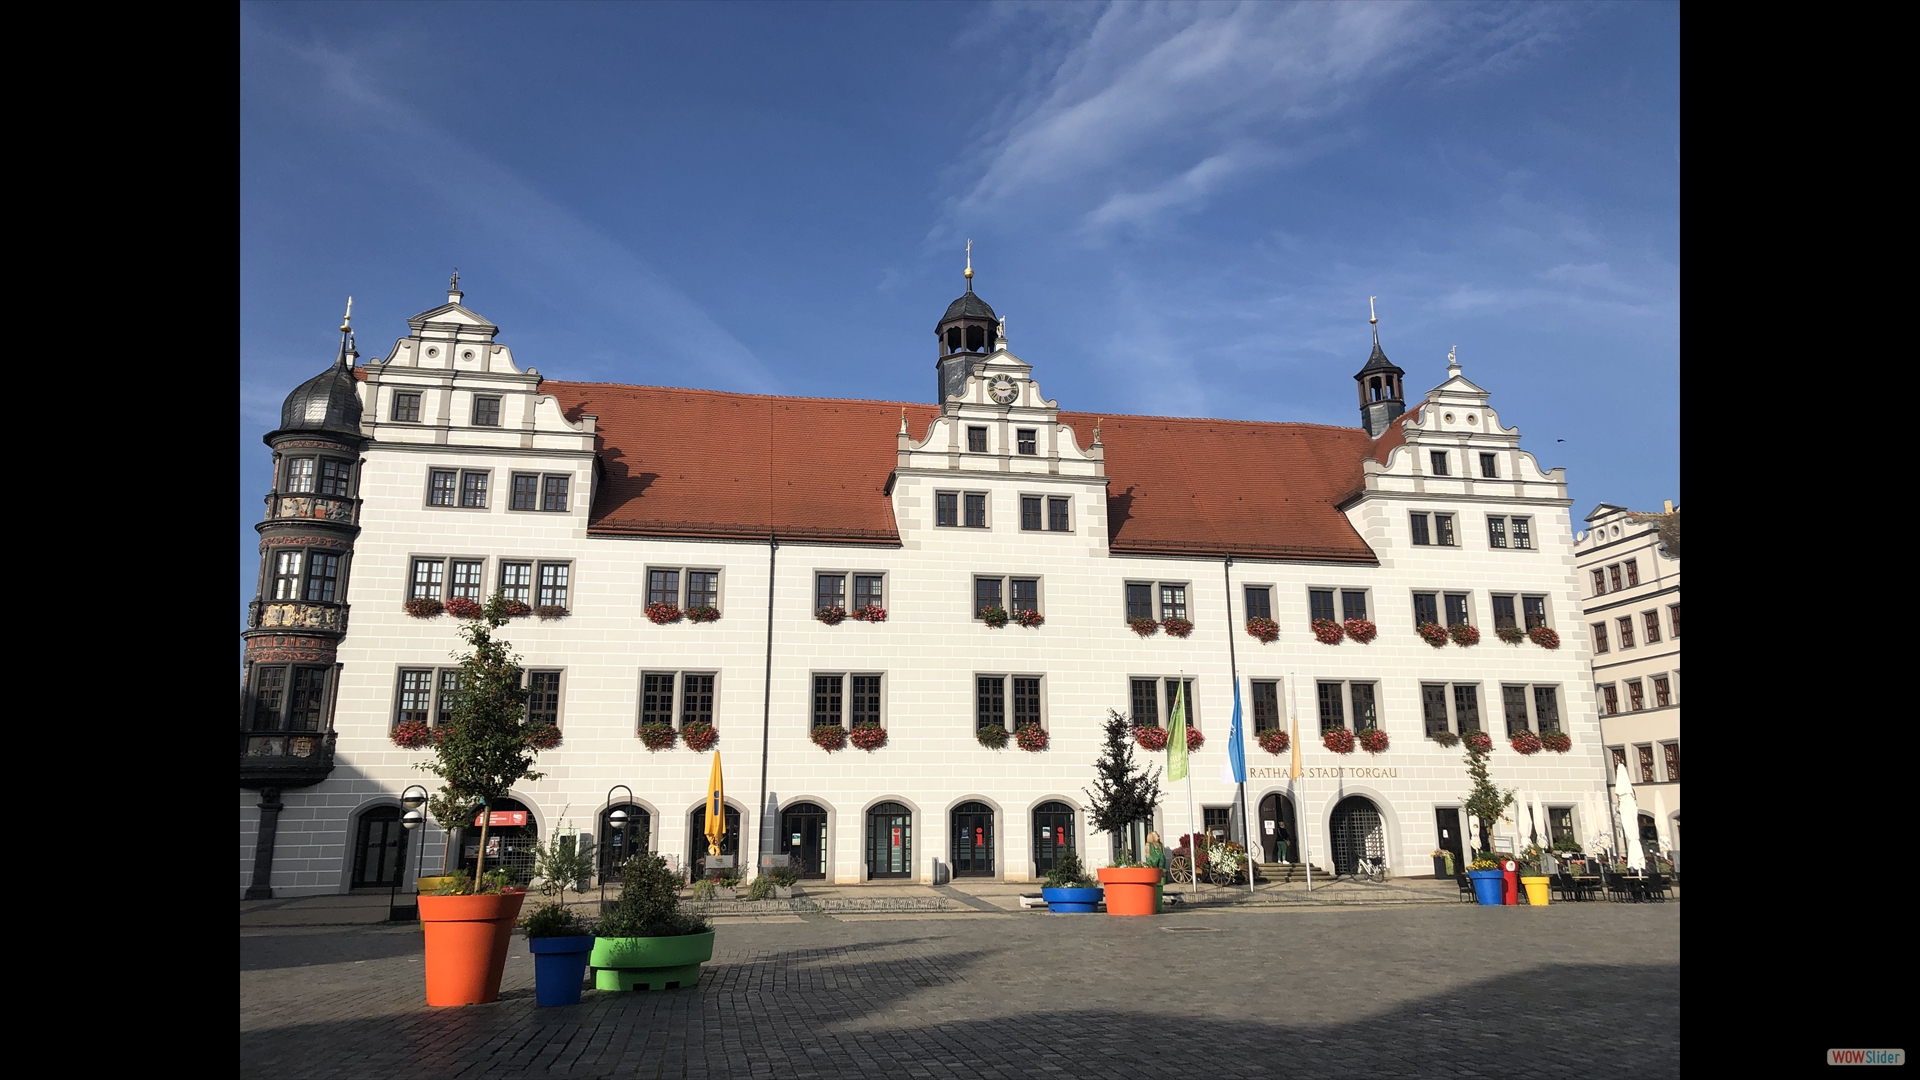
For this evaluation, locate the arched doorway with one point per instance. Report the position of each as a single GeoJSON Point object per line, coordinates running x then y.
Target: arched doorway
{"type": "Point", "coordinates": [1279, 832]}
{"type": "Point", "coordinates": [1650, 835]}
{"type": "Point", "coordinates": [697, 840]}
{"type": "Point", "coordinates": [511, 836]}
{"type": "Point", "coordinates": [1052, 835]}
{"type": "Point", "coordinates": [803, 835]}
{"type": "Point", "coordinates": [379, 849]}
{"type": "Point", "coordinates": [889, 841]}
{"type": "Point", "coordinates": [1358, 833]}
{"type": "Point", "coordinates": [630, 839]}
{"type": "Point", "coordinates": [973, 840]}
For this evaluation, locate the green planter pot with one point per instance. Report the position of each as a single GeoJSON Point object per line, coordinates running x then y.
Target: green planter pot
{"type": "Point", "coordinates": [650, 963]}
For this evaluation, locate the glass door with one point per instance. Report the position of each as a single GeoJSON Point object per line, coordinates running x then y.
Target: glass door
{"type": "Point", "coordinates": [889, 841]}
{"type": "Point", "coordinates": [1052, 835]}
{"type": "Point", "coordinates": [973, 840]}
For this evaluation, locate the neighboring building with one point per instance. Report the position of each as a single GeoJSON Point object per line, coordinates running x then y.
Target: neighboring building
{"type": "Point", "coordinates": [1632, 588]}
{"type": "Point", "coordinates": [455, 472]}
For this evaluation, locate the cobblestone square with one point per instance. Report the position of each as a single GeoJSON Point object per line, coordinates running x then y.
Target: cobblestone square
{"type": "Point", "coordinates": [1431, 990]}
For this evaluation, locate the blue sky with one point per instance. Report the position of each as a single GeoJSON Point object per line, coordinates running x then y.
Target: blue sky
{"type": "Point", "coordinates": [1179, 210]}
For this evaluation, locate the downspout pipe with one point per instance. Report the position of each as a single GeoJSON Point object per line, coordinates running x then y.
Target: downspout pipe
{"type": "Point", "coordinates": [766, 709]}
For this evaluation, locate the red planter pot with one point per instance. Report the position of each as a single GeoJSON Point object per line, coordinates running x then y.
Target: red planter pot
{"type": "Point", "coordinates": [467, 939]}
{"type": "Point", "coordinates": [1129, 889]}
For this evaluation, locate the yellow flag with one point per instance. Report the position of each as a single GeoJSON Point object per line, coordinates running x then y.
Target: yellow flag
{"type": "Point", "coordinates": [1177, 735]}
{"type": "Point", "coordinates": [716, 808]}
{"type": "Point", "coordinates": [1294, 741]}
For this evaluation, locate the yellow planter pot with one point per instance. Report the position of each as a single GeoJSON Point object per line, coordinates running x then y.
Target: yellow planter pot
{"type": "Point", "coordinates": [1536, 890]}
{"type": "Point", "coordinates": [429, 884]}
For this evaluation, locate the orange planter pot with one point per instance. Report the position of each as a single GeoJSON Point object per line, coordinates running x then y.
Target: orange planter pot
{"type": "Point", "coordinates": [467, 939]}
{"type": "Point", "coordinates": [1130, 889]}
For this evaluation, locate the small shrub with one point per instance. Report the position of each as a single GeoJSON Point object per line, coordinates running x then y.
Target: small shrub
{"type": "Point", "coordinates": [553, 920]}
{"type": "Point", "coordinates": [649, 904]}
{"type": "Point", "coordinates": [1067, 873]}
{"type": "Point", "coordinates": [761, 889]}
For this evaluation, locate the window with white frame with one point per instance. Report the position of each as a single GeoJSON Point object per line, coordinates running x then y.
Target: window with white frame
{"type": "Point", "coordinates": [1153, 699]}
{"type": "Point", "coordinates": [516, 580]}
{"type": "Point", "coordinates": [993, 694]}
{"type": "Point", "coordinates": [1464, 699]}
{"type": "Point", "coordinates": [1433, 530]}
{"type": "Point", "coordinates": [1015, 594]}
{"type": "Point", "coordinates": [677, 698]}
{"type": "Point", "coordinates": [553, 593]}
{"type": "Point", "coordinates": [684, 587]}
{"type": "Point", "coordinates": [855, 698]}
{"type": "Point", "coordinates": [1510, 532]}
{"type": "Point", "coordinates": [1334, 696]}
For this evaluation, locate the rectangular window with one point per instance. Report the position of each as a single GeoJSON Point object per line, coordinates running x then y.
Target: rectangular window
{"type": "Point", "coordinates": [1613, 574]}
{"type": "Point", "coordinates": [1662, 692]}
{"type": "Point", "coordinates": [826, 701]}
{"type": "Point", "coordinates": [449, 695]}
{"type": "Point", "coordinates": [1331, 713]}
{"type": "Point", "coordinates": [1026, 594]}
{"type": "Point", "coordinates": [1365, 715]}
{"type": "Point", "coordinates": [1599, 637]}
{"type": "Point", "coordinates": [553, 494]}
{"type": "Point", "coordinates": [1645, 754]}
{"type": "Point", "coordinates": [416, 697]}
{"type": "Point", "coordinates": [946, 508]}
{"type": "Point", "coordinates": [1497, 532]}
{"type": "Point", "coordinates": [1536, 611]}
{"type": "Point", "coordinates": [1610, 699]}
{"type": "Point", "coordinates": [1353, 604]}
{"type": "Point", "coordinates": [656, 698]}
{"type": "Point", "coordinates": [865, 703]}
{"type": "Point", "coordinates": [1626, 631]}
{"type": "Point", "coordinates": [696, 699]}
{"type": "Point", "coordinates": [1029, 445]}
{"type": "Point", "coordinates": [1456, 608]}
{"type": "Point", "coordinates": [1523, 533]}
{"type": "Point", "coordinates": [1026, 703]}
{"type": "Point", "coordinates": [1619, 758]}
{"type": "Point", "coordinates": [543, 697]}
{"type": "Point", "coordinates": [486, 412]}
{"type": "Point", "coordinates": [1672, 752]}
{"type": "Point", "coordinates": [300, 474]}
{"type": "Point", "coordinates": [1420, 537]}
{"type": "Point", "coordinates": [1673, 618]}
{"type": "Point", "coordinates": [1652, 621]}
{"type": "Point", "coordinates": [1490, 466]}
{"type": "Point", "coordinates": [703, 588]}
{"type": "Point", "coordinates": [1443, 530]}
{"type": "Point", "coordinates": [1599, 581]}
{"type": "Point", "coordinates": [976, 511]}
{"type": "Point", "coordinates": [1057, 516]}
{"type": "Point", "coordinates": [516, 581]}
{"type": "Point", "coordinates": [1546, 708]}
{"type": "Point", "coordinates": [553, 584]}
{"type": "Point", "coordinates": [269, 697]}
{"type": "Point", "coordinates": [829, 590]}
{"type": "Point", "coordinates": [1426, 608]}
{"type": "Point", "coordinates": [1173, 691]}
{"type": "Point", "coordinates": [1139, 601]}
{"type": "Point", "coordinates": [441, 485]}
{"type": "Point", "coordinates": [663, 587]}
{"type": "Point", "coordinates": [976, 440]}
{"type": "Point", "coordinates": [307, 705]}
{"type": "Point", "coordinates": [526, 492]}
{"type": "Point", "coordinates": [1560, 823]}
{"type": "Point", "coordinates": [1030, 512]}
{"type": "Point", "coordinates": [1513, 700]}
{"type": "Point", "coordinates": [1433, 707]}
{"type": "Point", "coordinates": [1173, 602]}
{"type": "Point", "coordinates": [473, 490]}
{"type": "Point", "coordinates": [335, 477]}
{"type": "Point", "coordinates": [1146, 703]}
{"type": "Point", "coordinates": [1439, 460]}
{"type": "Point", "coordinates": [286, 575]}
{"type": "Point", "coordinates": [427, 574]}
{"type": "Point", "coordinates": [986, 594]}
{"type": "Point", "coordinates": [1636, 696]}
{"type": "Point", "coordinates": [406, 408]}
{"type": "Point", "coordinates": [1466, 706]}
{"type": "Point", "coordinates": [1633, 572]}
{"type": "Point", "coordinates": [1216, 820]}
{"type": "Point", "coordinates": [323, 572]}
{"type": "Point", "coordinates": [1503, 613]}
{"type": "Point", "coordinates": [466, 580]}
{"type": "Point", "coordinates": [1266, 706]}
{"type": "Point", "coordinates": [1259, 602]}
{"type": "Point", "coordinates": [1320, 604]}
{"type": "Point", "coordinates": [990, 702]}
{"type": "Point", "coordinates": [867, 591]}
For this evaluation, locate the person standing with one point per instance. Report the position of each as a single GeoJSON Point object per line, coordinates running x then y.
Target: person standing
{"type": "Point", "coordinates": [1280, 840]}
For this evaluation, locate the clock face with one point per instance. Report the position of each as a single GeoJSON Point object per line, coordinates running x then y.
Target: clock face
{"type": "Point", "coordinates": [1003, 390]}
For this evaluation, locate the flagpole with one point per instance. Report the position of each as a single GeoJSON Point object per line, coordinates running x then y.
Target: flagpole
{"type": "Point", "coordinates": [1233, 740]}
{"type": "Point", "coordinates": [1193, 846]}
{"type": "Point", "coordinates": [1299, 780]}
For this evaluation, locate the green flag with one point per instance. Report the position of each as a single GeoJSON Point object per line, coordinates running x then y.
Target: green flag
{"type": "Point", "coordinates": [1177, 735]}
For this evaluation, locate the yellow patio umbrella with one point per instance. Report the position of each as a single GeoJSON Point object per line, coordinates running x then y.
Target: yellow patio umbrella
{"type": "Point", "coordinates": [716, 808]}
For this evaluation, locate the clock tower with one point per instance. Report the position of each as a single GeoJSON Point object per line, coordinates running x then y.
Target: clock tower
{"type": "Point", "coordinates": [967, 334]}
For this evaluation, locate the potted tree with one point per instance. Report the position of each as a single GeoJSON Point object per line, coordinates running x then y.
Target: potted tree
{"type": "Point", "coordinates": [646, 942]}
{"type": "Point", "coordinates": [1069, 890]}
{"type": "Point", "coordinates": [1122, 798]}
{"type": "Point", "coordinates": [559, 940]}
{"type": "Point", "coordinates": [1486, 802]}
{"type": "Point", "coordinates": [482, 750]}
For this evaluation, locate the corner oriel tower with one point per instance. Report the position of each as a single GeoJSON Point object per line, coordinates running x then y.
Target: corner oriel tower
{"type": "Point", "coordinates": [1381, 396]}
{"type": "Point", "coordinates": [967, 334]}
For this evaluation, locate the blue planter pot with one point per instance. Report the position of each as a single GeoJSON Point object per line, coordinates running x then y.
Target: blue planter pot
{"type": "Point", "coordinates": [1489, 886]}
{"type": "Point", "coordinates": [1071, 901]}
{"type": "Point", "coordinates": [559, 967]}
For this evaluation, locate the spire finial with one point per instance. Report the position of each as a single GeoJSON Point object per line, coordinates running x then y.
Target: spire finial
{"type": "Point", "coordinates": [1096, 430]}
{"type": "Point", "coordinates": [969, 266]}
{"type": "Point", "coordinates": [1374, 318]}
{"type": "Point", "coordinates": [903, 419]}
{"type": "Point", "coordinates": [1453, 363]}
{"type": "Point", "coordinates": [453, 287]}
{"type": "Point", "coordinates": [346, 321]}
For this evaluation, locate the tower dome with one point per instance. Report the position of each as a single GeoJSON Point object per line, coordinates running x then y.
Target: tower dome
{"type": "Point", "coordinates": [967, 333]}
{"type": "Point", "coordinates": [329, 401]}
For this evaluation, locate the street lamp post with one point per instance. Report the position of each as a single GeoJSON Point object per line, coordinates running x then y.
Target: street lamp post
{"type": "Point", "coordinates": [617, 823]}
{"type": "Point", "coordinates": [410, 820]}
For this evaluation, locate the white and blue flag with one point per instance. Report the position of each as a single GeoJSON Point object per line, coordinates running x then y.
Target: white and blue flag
{"type": "Point", "coordinates": [1234, 769]}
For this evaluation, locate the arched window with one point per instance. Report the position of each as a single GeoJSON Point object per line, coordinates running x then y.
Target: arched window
{"type": "Point", "coordinates": [953, 340]}
{"type": "Point", "coordinates": [1053, 834]}
{"type": "Point", "coordinates": [697, 839]}
{"type": "Point", "coordinates": [976, 339]}
{"type": "Point", "coordinates": [619, 845]}
{"type": "Point", "coordinates": [380, 849]}
{"type": "Point", "coordinates": [803, 835]}
{"type": "Point", "coordinates": [889, 841]}
{"type": "Point", "coordinates": [972, 840]}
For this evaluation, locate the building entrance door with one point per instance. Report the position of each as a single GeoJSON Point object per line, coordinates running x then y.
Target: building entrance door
{"type": "Point", "coordinates": [889, 841]}
{"type": "Point", "coordinates": [697, 840]}
{"type": "Point", "coordinates": [617, 845]}
{"type": "Point", "coordinates": [1446, 825]}
{"type": "Point", "coordinates": [1357, 833]}
{"type": "Point", "coordinates": [1052, 835]}
{"type": "Point", "coordinates": [512, 835]}
{"type": "Point", "coordinates": [973, 840]}
{"type": "Point", "coordinates": [1277, 831]}
{"type": "Point", "coordinates": [803, 835]}
{"type": "Point", "coordinates": [380, 851]}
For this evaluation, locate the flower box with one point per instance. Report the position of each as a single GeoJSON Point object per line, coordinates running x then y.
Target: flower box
{"type": "Point", "coordinates": [1328, 632]}
{"type": "Point", "coordinates": [1464, 634]}
{"type": "Point", "coordinates": [1512, 635]}
{"type": "Point", "coordinates": [868, 738]}
{"type": "Point", "coordinates": [461, 607]}
{"type": "Point", "coordinates": [1265, 629]}
{"type": "Point", "coordinates": [703, 613]}
{"type": "Point", "coordinates": [1273, 741]}
{"type": "Point", "coordinates": [829, 737]}
{"type": "Point", "coordinates": [551, 611]}
{"type": "Point", "coordinates": [1478, 741]}
{"type": "Point", "coordinates": [1150, 738]}
{"type": "Point", "coordinates": [1029, 618]}
{"type": "Point", "coordinates": [1544, 637]}
{"type": "Point", "coordinates": [1195, 740]}
{"type": "Point", "coordinates": [1177, 627]}
{"type": "Point", "coordinates": [658, 736]}
{"type": "Point", "coordinates": [1525, 743]}
{"type": "Point", "coordinates": [1445, 738]}
{"type": "Point", "coordinates": [1361, 630]}
{"type": "Point", "coordinates": [1032, 738]}
{"type": "Point", "coordinates": [832, 614]}
{"type": "Point", "coordinates": [411, 735]}
{"type": "Point", "coordinates": [1373, 741]}
{"type": "Point", "coordinates": [995, 617]}
{"type": "Point", "coordinates": [699, 736]}
{"type": "Point", "coordinates": [872, 613]}
{"type": "Point", "coordinates": [1339, 740]}
{"type": "Point", "coordinates": [544, 737]}
{"type": "Point", "coordinates": [1433, 634]}
{"type": "Point", "coordinates": [993, 736]}
{"type": "Point", "coordinates": [1557, 741]}
{"type": "Point", "coordinates": [660, 613]}
{"type": "Point", "coordinates": [1143, 626]}
{"type": "Point", "coordinates": [516, 609]}
{"type": "Point", "coordinates": [423, 607]}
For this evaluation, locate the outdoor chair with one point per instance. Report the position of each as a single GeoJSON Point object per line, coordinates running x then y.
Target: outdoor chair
{"type": "Point", "coordinates": [1466, 888]}
{"type": "Point", "coordinates": [1568, 888]}
{"type": "Point", "coordinates": [1656, 887]}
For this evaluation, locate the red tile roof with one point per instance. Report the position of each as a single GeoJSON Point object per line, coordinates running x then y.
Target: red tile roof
{"type": "Point", "coordinates": [706, 464]}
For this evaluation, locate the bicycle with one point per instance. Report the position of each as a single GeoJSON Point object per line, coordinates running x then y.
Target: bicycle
{"type": "Point", "coordinates": [1371, 868]}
